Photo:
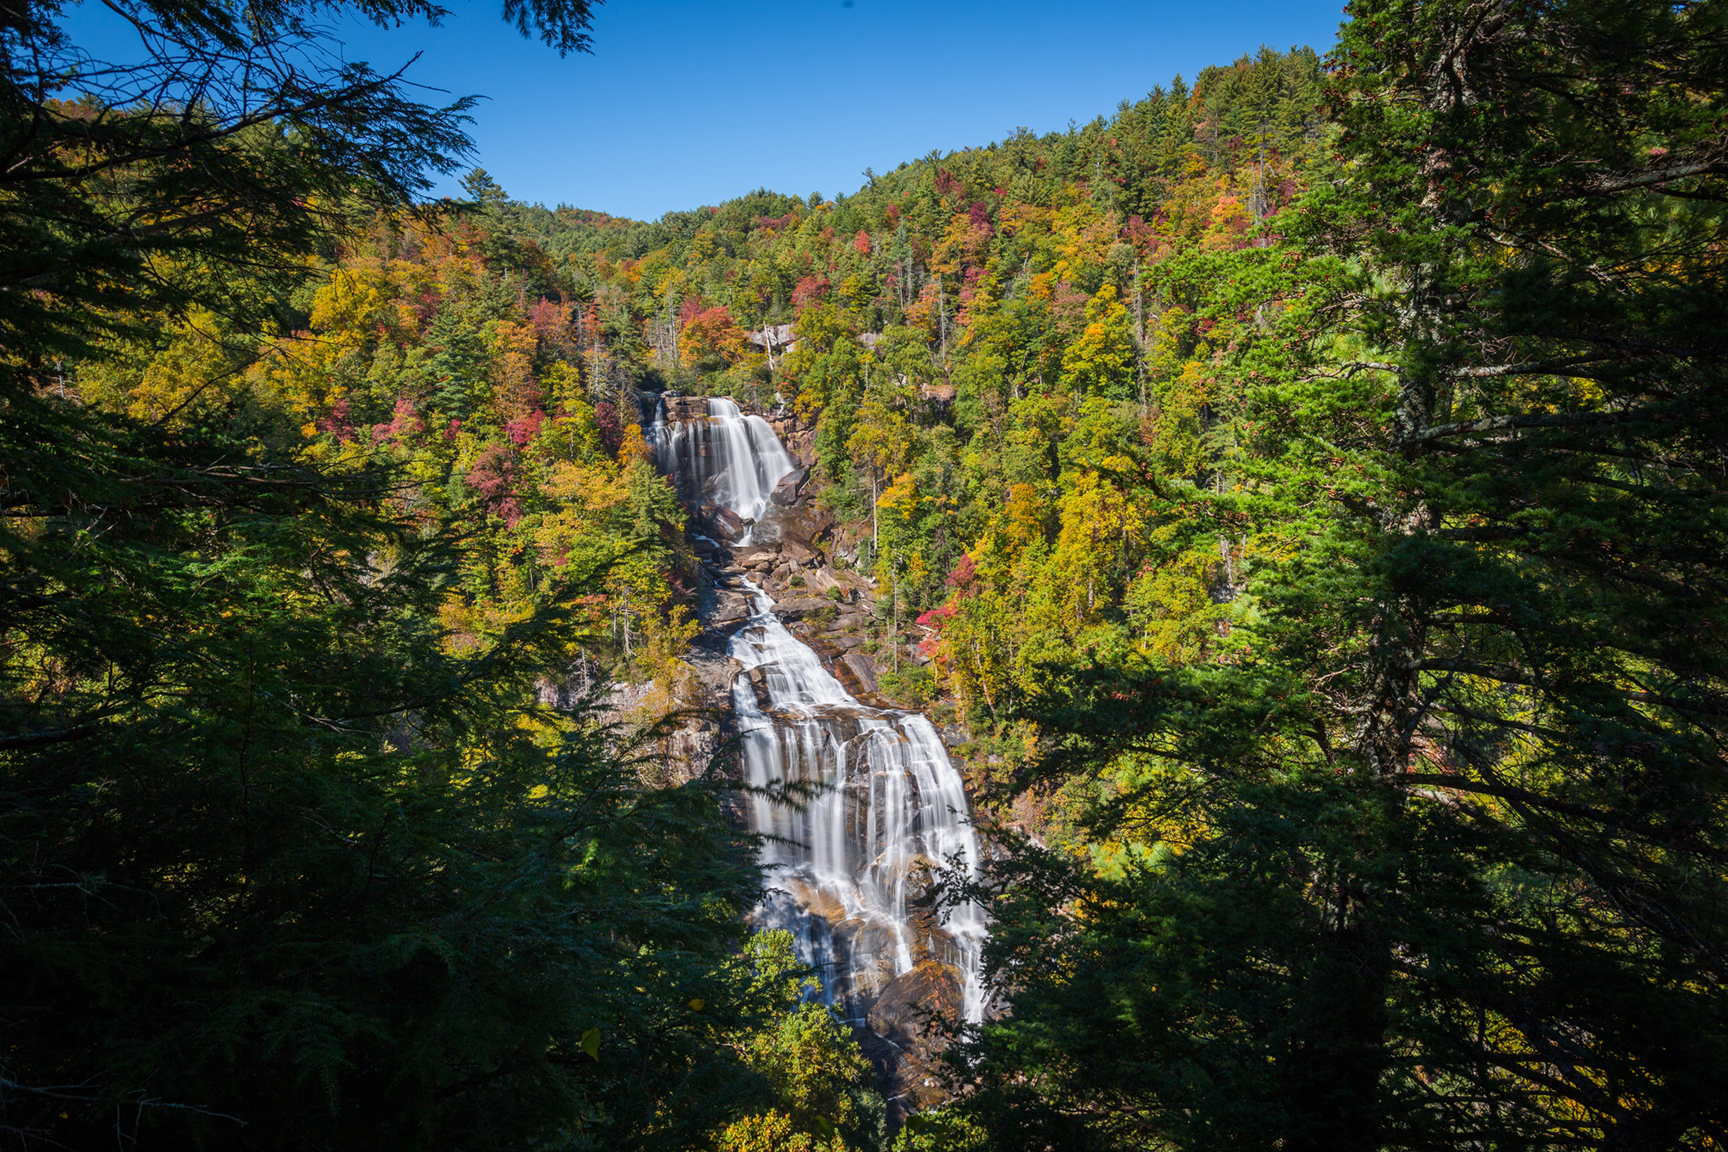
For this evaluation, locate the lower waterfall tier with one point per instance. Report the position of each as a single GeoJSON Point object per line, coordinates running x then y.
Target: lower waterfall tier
{"type": "Point", "coordinates": [873, 812]}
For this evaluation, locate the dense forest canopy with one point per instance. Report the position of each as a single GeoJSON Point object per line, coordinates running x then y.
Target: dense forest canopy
{"type": "Point", "coordinates": [1304, 486]}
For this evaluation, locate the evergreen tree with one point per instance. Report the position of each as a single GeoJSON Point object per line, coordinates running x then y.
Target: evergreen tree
{"type": "Point", "coordinates": [290, 858]}
{"type": "Point", "coordinates": [457, 365]}
{"type": "Point", "coordinates": [284, 870]}
{"type": "Point", "coordinates": [1432, 859]}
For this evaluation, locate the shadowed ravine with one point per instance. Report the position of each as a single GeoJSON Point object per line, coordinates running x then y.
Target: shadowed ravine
{"type": "Point", "coordinates": [852, 870]}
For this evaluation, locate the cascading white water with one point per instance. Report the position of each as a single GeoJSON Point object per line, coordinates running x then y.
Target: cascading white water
{"type": "Point", "coordinates": [887, 808]}
{"type": "Point", "coordinates": [852, 863]}
{"type": "Point", "coordinates": [730, 458]}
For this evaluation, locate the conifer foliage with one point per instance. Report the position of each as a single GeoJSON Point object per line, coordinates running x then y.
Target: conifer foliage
{"type": "Point", "coordinates": [294, 852]}
{"type": "Point", "coordinates": [1433, 859]}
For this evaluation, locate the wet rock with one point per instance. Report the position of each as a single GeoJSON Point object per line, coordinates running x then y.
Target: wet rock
{"type": "Point", "coordinates": [870, 949]}
{"type": "Point", "coordinates": [900, 1016]}
{"type": "Point", "coordinates": [727, 524]}
{"type": "Point", "coordinates": [814, 899]}
{"type": "Point", "coordinates": [919, 880]}
{"type": "Point", "coordinates": [758, 681]}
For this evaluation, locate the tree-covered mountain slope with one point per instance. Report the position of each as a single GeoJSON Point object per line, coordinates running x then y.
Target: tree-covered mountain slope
{"type": "Point", "coordinates": [1304, 487]}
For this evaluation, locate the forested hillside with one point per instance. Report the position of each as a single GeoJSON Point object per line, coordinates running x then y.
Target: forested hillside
{"type": "Point", "coordinates": [972, 335]}
{"type": "Point", "coordinates": [1304, 487]}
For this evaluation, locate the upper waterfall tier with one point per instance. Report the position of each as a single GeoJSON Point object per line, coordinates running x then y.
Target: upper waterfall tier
{"type": "Point", "coordinates": [727, 457]}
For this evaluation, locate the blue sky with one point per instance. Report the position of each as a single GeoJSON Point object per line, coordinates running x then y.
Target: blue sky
{"type": "Point", "coordinates": [688, 103]}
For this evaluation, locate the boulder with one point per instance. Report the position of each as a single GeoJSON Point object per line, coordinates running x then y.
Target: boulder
{"type": "Point", "coordinates": [862, 667]}
{"type": "Point", "coordinates": [729, 608]}
{"type": "Point", "coordinates": [758, 681]}
{"type": "Point", "coordinates": [727, 524]}
{"type": "Point", "coordinates": [751, 556]}
{"type": "Point", "coordinates": [814, 899]}
{"type": "Point", "coordinates": [821, 579]}
{"type": "Point", "coordinates": [786, 491]}
{"type": "Point", "coordinates": [799, 551]}
{"type": "Point", "coordinates": [802, 521]}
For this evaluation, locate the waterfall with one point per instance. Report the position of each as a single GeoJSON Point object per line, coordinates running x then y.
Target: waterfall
{"type": "Point", "coordinates": [851, 867]}
{"type": "Point", "coordinates": [886, 809]}
{"type": "Point", "coordinates": [728, 458]}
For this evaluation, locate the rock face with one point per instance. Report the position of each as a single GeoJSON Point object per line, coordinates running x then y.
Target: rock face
{"type": "Point", "coordinates": [899, 1017]}
{"type": "Point", "coordinates": [799, 440]}
{"type": "Point", "coordinates": [686, 748]}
